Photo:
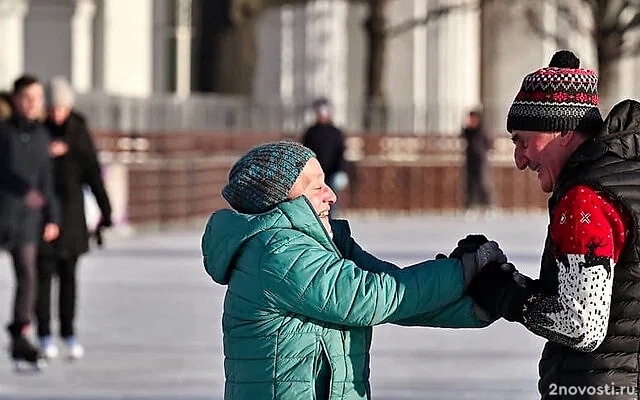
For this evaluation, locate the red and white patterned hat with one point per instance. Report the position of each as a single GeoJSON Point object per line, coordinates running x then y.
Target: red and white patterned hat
{"type": "Point", "coordinates": [561, 97]}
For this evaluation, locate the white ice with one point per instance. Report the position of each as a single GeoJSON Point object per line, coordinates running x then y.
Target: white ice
{"type": "Point", "coordinates": [149, 317]}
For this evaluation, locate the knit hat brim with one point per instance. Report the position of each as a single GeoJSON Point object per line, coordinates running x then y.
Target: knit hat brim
{"type": "Point", "coordinates": [551, 118]}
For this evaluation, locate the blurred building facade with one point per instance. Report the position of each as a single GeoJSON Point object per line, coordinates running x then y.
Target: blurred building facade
{"type": "Point", "coordinates": [144, 52]}
{"type": "Point", "coordinates": [114, 46]}
{"type": "Point", "coordinates": [136, 63]}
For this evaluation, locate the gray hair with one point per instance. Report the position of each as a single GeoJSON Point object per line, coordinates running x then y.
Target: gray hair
{"type": "Point", "coordinates": [58, 92]}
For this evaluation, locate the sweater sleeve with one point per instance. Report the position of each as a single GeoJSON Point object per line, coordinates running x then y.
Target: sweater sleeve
{"type": "Point", "coordinates": [588, 234]}
{"type": "Point", "coordinates": [299, 276]}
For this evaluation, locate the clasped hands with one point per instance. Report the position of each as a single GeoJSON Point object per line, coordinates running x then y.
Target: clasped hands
{"type": "Point", "coordinates": [495, 285]}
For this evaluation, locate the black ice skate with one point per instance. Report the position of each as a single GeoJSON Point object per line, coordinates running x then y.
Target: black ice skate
{"type": "Point", "coordinates": [22, 351]}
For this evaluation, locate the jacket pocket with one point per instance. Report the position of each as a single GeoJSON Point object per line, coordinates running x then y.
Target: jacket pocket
{"type": "Point", "coordinates": [322, 373]}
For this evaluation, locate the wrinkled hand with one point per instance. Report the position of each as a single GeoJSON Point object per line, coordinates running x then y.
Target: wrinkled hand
{"type": "Point", "coordinates": [51, 232]}
{"type": "Point", "coordinates": [34, 199]}
{"type": "Point", "coordinates": [499, 289]}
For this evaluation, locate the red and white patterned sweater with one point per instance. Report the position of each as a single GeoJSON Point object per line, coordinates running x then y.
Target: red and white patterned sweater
{"type": "Point", "coordinates": [588, 234]}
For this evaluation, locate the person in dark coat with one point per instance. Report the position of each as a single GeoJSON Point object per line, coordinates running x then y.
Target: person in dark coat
{"type": "Point", "coordinates": [328, 143]}
{"type": "Point", "coordinates": [478, 144]}
{"type": "Point", "coordinates": [24, 152]}
{"type": "Point", "coordinates": [9, 180]}
{"type": "Point", "coordinates": [75, 165]}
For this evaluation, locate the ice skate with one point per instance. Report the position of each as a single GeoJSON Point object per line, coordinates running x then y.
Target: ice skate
{"type": "Point", "coordinates": [25, 355]}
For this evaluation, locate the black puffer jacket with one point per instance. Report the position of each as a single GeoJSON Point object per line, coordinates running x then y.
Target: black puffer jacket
{"type": "Point", "coordinates": [609, 162]}
{"type": "Point", "coordinates": [24, 151]}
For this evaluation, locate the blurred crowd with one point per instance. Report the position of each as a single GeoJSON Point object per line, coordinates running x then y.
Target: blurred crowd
{"type": "Point", "coordinates": [48, 164]}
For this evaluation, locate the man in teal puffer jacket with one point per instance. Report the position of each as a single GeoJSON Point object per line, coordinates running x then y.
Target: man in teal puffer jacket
{"type": "Point", "coordinates": [302, 295]}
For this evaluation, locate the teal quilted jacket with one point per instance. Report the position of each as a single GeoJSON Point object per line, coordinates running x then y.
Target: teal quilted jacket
{"type": "Point", "coordinates": [300, 306]}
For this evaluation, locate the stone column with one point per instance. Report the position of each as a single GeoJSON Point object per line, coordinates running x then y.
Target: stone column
{"type": "Point", "coordinates": [273, 83]}
{"type": "Point", "coordinates": [453, 67]}
{"type": "Point", "coordinates": [82, 45]}
{"type": "Point", "coordinates": [183, 48]}
{"type": "Point", "coordinates": [511, 50]}
{"type": "Point", "coordinates": [420, 70]}
{"type": "Point", "coordinates": [326, 54]}
{"type": "Point", "coordinates": [12, 14]}
{"type": "Point", "coordinates": [286, 89]}
{"type": "Point", "coordinates": [405, 69]}
{"type": "Point", "coordinates": [128, 47]}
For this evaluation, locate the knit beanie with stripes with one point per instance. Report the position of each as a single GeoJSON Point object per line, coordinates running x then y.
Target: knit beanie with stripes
{"type": "Point", "coordinates": [264, 176]}
{"type": "Point", "coordinates": [561, 97]}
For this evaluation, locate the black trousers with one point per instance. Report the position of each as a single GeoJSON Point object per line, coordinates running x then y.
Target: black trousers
{"type": "Point", "coordinates": [65, 270]}
{"type": "Point", "coordinates": [24, 267]}
{"type": "Point", "coordinates": [478, 192]}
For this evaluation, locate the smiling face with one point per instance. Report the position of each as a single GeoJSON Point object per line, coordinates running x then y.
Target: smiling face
{"type": "Point", "coordinates": [545, 153]}
{"type": "Point", "coordinates": [311, 184]}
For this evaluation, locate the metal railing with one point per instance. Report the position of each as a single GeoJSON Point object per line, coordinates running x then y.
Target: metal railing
{"type": "Point", "coordinates": [238, 114]}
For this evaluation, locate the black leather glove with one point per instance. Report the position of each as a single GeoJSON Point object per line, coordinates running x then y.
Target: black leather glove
{"type": "Point", "coordinates": [105, 222]}
{"type": "Point", "coordinates": [495, 290]}
{"type": "Point", "coordinates": [469, 244]}
{"type": "Point", "coordinates": [98, 237]}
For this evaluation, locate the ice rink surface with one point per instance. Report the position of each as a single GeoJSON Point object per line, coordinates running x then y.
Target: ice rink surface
{"type": "Point", "coordinates": [150, 317]}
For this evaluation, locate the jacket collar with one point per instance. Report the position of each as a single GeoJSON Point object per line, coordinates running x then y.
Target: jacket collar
{"type": "Point", "coordinates": [619, 137]}
{"type": "Point", "coordinates": [227, 231]}
{"type": "Point", "coordinates": [303, 218]}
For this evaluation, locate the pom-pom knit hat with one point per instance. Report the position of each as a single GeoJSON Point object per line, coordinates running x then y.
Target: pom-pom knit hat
{"type": "Point", "coordinates": [561, 97]}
